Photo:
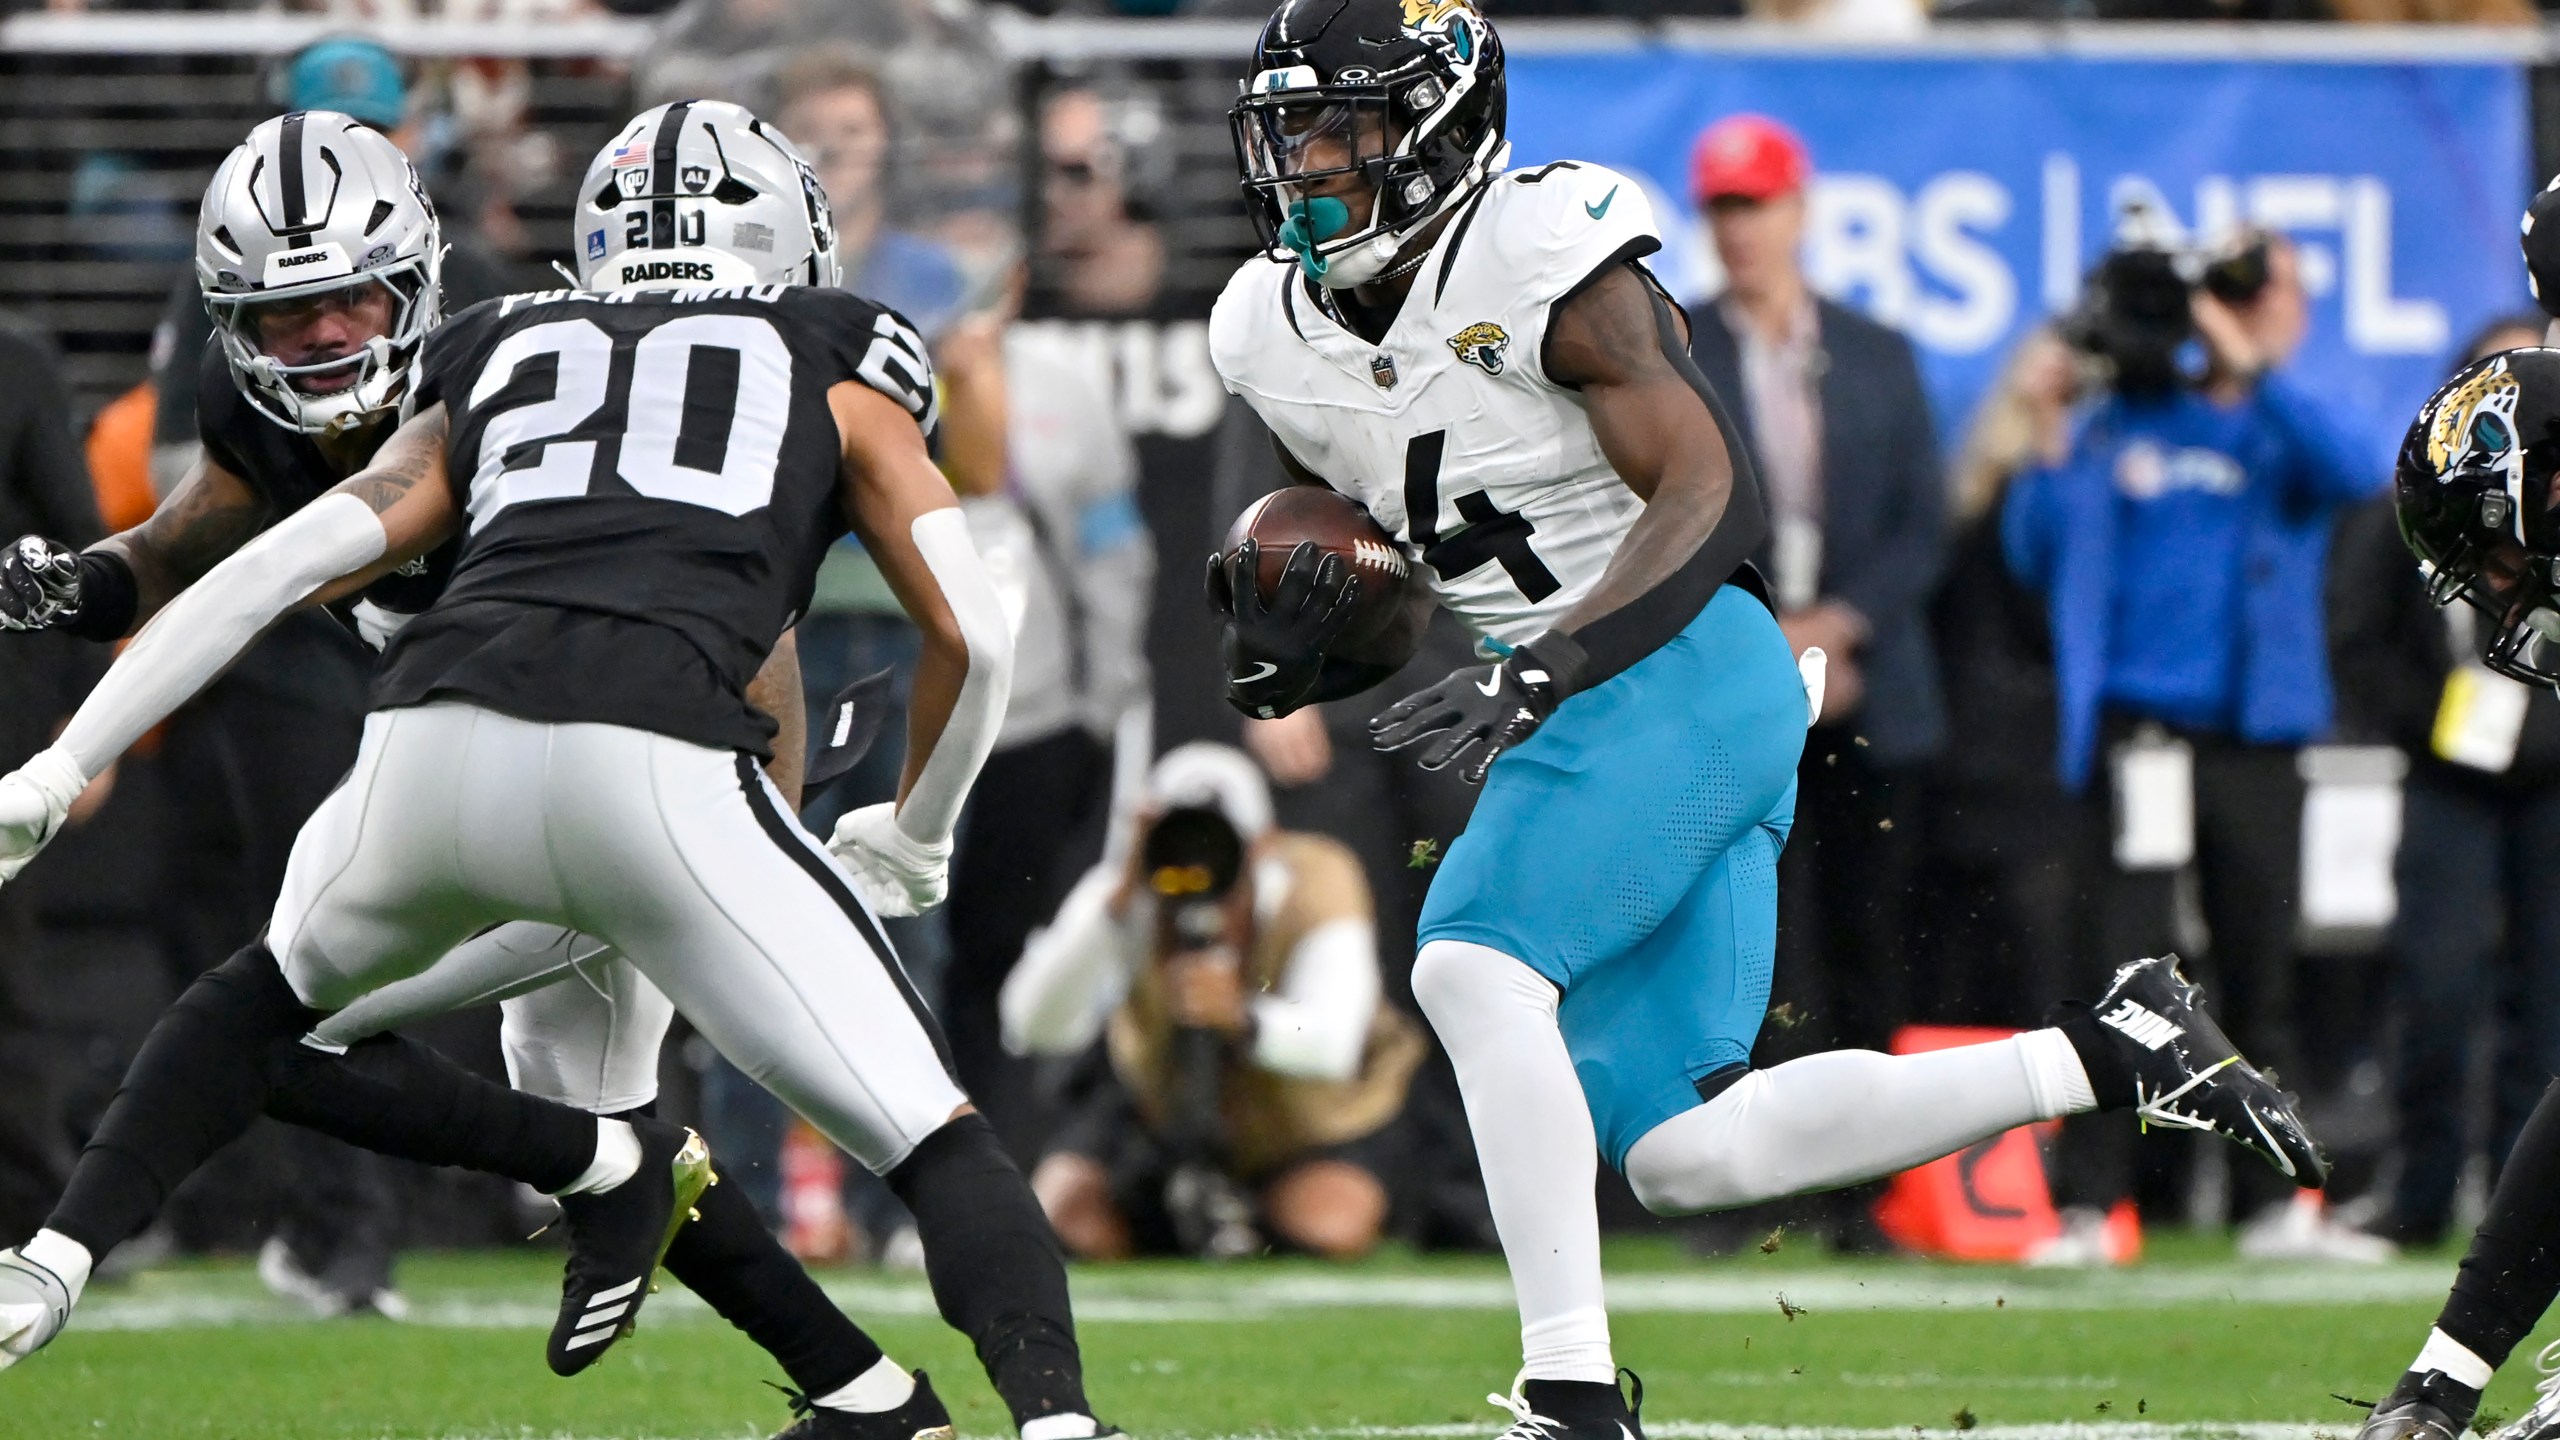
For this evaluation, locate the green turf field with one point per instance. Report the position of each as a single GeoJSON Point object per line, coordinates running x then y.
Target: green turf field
{"type": "Point", "coordinates": [2190, 1345]}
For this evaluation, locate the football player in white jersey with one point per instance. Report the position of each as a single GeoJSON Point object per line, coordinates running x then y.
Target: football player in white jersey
{"type": "Point", "coordinates": [1478, 355]}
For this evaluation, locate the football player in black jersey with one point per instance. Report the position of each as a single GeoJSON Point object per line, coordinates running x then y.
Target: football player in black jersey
{"type": "Point", "coordinates": [288, 431]}
{"type": "Point", "coordinates": [2477, 491]}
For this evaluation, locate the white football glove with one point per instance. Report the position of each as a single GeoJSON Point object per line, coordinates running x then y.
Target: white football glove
{"type": "Point", "coordinates": [1813, 666]}
{"type": "Point", "coordinates": [896, 873]}
{"type": "Point", "coordinates": [35, 798]}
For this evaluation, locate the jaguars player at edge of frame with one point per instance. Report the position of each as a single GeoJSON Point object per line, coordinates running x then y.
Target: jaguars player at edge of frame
{"type": "Point", "coordinates": [1479, 356]}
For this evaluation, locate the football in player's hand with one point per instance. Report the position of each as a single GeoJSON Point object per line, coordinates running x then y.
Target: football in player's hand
{"type": "Point", "coordinates": [1276, 524]}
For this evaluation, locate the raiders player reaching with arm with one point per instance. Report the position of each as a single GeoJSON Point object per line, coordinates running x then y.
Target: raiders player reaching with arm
{"type": "Point", "coordinates": [299, 392]}
{"type": "Point", "coordinates": [1478, 356]}
{"type": "Point", "coordinates": [637, 538]}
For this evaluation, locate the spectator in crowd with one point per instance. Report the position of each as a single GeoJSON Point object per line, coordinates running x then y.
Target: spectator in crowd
{"type": "Point", "coordinates": [2005, 934]}
{"type": "Point", "coordinates": [1101, 283]}
{"type": "Point", "coordinates": [2179, 548]}
{"type": "Point", "coordinates": [1072, 559]}
{"type": "Point", "coordinates": [1829, 408]}
{"type": "Point", "coordinates": [43, 490]}
{"type": "Point", "coordinates": [2000, 897]}
{"type": "Point", "coordinates": [843, 118]}
{"type": "Point", "coordinates": [2476, 939]}
{"type": "Point", "coordinates": [1253, 1079]}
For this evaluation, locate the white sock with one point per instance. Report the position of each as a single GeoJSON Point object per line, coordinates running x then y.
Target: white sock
{"type": "Point", "coordinates": [2453, 1359]}
{"type": "Point", "coordinates": [617, 1159]}
{"type": "Point", "coordinates": [2061, 1082]}
{"type": "Point", "coordinates": [1060, 1427]}
{"type": "Point", "coordinates": [1834, 1119]}
{"type": "Point", "coordinates": [885, 1386]}
{"type": "Point", "coordinates": [1497, 1019]}
{"type": "Point", "coordinates": [65, 1257]}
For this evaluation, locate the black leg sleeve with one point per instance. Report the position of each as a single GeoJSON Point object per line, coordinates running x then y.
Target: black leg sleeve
{"type": "Point", "coordinates": [397, 1097]}
{"type": "Point", "coordinates": [995, 1268]}
{"type": "Point", "coordinates": [729, 1259]}
{"type": "Point", "coordinates": [203, 1073]}
{"type": "Point", "coordinates": [2512, 1269]}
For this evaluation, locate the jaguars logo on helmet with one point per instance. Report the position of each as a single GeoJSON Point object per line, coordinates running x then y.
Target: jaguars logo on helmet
{"type": "Point", "coordinates": [1484, 345]}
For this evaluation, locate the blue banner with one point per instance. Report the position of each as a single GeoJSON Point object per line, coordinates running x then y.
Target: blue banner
{"type": "Point", "coordinates": [1961, 198]}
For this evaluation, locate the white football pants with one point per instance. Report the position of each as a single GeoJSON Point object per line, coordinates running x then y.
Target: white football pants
{"type": "Point", "coordinates": [577, 1022]}
{"type": "Point", "coordinates": [682, 858]}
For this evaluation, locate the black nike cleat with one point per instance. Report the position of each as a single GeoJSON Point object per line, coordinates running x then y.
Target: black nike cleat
{"type": "Point", "coordinates": [1572, 1409]}
{"type": "Point", "coordinates": [617, 1238]}
{"type": "Point", "coordinates": [2150, 1042]}
{"type": "Point", "coordinates": [921, 1418]}
{"type": "Point", "coordinates": [2428, 1406]}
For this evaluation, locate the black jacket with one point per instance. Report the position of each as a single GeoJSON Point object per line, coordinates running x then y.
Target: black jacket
{"type": "Point", "coordinates": [44, 490]}
{"type": "Point", "coordinates": [2389, 654]}
{"type": "Point", "coordinates": [1884, 506]}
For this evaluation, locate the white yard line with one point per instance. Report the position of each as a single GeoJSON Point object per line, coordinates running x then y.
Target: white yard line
{"type": "Point", "coordinates": [1700, 1430]}
{"type": "Point", "coordinates": [176, 1301]}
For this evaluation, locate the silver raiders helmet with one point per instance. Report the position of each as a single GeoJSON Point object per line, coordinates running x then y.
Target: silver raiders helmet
{"type": "Point", "coordinates": [315, 209]}
{"type": "Point", "coordinates": [700, 192]}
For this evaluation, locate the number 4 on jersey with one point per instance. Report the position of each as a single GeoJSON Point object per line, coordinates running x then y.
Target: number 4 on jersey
{"type": "Point", "coordinates": [1490, 534]}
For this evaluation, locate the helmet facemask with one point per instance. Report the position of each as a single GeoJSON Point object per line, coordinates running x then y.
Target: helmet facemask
{"type": "Point", "coordinates": [379, 366]}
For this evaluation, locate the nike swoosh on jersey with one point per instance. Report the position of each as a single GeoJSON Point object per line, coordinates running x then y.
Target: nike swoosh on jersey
{"type": "Point", "coordinates": [1492, 683]}
{"type": "Point", "coordinates": [1262, 670]}
{"type": "Point", "coordinates": [1596, 211]}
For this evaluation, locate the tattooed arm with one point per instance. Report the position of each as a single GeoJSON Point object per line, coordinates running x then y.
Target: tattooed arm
{"type": "Point", "coordinates": [405, 489]}
{"type": "Point", "coordinates": [212, 513]}
{"type": "Point", "coordinates": [392, 512]}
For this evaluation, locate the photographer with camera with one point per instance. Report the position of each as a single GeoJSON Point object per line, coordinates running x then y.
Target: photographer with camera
{"type": "Point", "coordinates": [2180, 546]}
{"type": "Point", "coordinates": [1249, 1080]}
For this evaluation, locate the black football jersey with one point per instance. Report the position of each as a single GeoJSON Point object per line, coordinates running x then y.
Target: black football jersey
{"type": "Point", "coordinates": [287, 471]}
{"type": "Point", "coordinates": [650, 482]}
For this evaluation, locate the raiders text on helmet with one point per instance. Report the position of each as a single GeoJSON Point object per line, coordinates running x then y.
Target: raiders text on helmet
{"type": "Point", "coordinates": [312, 204]}
{"type": "Point", "coordinates": [700, 192]}
{"type": "Point", "coordinates": [1407, 95]}
{"type": "Point", "coordinates": [2473, 494]}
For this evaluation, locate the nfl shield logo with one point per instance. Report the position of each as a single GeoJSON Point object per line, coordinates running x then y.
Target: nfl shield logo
{"type": "Point", "coordinates": [696, 178]}
{"type": "Point", "coordinates": [595, 244]}
{"type": "Point", "coordinates": [1382, 368]}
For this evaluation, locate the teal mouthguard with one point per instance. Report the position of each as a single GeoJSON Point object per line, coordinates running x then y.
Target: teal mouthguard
{"type": "Point", "coordinates": [1311, 223]}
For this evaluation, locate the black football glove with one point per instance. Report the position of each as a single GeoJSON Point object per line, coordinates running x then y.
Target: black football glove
{"type": "Point", "coordinates": [1485, 708]}
{"type": "Point", "coordinates": [1275, 648]}
{"type": "Point", "coordinates": [39, 584]}
{"type": "Point", "coordinates": [2542, 248]}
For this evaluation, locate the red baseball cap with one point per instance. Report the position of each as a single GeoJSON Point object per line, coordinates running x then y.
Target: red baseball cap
{"type": "Point", "coordinates": [1751, 157]}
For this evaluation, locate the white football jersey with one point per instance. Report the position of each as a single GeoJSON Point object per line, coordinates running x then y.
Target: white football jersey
{"type": "Point", "coordinates": [1450, 431]}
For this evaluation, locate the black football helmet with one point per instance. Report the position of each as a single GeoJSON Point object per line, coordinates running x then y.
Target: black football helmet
{"type": "Point", "coordinates": [1412, 90]}
{"type": "Point", "coordinates": [2473, 493]}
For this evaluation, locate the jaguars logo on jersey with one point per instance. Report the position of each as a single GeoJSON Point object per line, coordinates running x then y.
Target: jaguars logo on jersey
{"type": "Point", "coordinates": [1484, 345]}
